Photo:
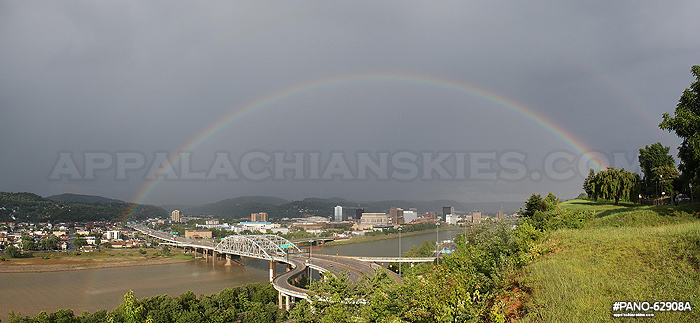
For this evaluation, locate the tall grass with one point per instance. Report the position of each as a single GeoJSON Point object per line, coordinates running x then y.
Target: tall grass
{"type": "Point", "coordinates": [630, 253]}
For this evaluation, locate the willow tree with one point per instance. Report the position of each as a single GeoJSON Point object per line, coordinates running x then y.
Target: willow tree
{"type": "Point", "coordinates": [616, 184]}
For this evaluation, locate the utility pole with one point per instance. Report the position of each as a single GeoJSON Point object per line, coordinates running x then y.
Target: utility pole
{"type": "Point", "coordinates": [437, 242]}
{"type": "Point", "coordinates": [311, 245]}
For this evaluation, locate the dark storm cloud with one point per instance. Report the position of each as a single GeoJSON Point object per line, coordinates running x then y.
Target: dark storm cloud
{"type": "Point", "coordinates": [150, 76]}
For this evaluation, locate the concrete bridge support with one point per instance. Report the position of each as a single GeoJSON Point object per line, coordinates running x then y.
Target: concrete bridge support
{"type": "Point", "coordinates": [284, 301]}
{"type": "Point", "coordinates": [272, 270]}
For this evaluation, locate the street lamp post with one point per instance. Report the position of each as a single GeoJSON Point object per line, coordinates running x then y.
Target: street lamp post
{"type": "Point", "coordinates": [311, 245]}
{"type": "Point", "coordinates": [657, 189]}
{"type": "Point", "coordinates": [437, 242]}
{"type": "Point", "coordinates": [400, 251]}
{"type": "Point", "coordinates": [691, 192]}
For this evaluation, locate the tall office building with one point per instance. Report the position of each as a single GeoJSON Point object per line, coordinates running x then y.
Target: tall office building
{"type": "Point", "coordinates": [358, 213]}
{"type": "Point", "coordinates": [396, 215]}
{"type": "Point", "coordinates": [476, 216]}
{"type": "Point", "coordinates": [338, 214]}
{"type": "Point", "coordinates": [500, 215]}
{"type": "Point", "coordinates": [175, 216]}
{"type": "Point", "coordinates": [258, 217]}
{"type": "Point", "coordinates": [447, 210]}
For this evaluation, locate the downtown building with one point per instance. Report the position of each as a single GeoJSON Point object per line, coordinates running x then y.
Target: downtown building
{"type": "Point", "coordinates": [258, 217]}
{"type": "Point", "coordinates": [447, 210]}
{"type": "Point", "coordinates": [396, 215]}
{"type": "Point", "coordinates": [338, 216]}
{"type": "Point", "coordinates": [175, 216]}
{"type": "Point", "coordinates": [372, 221]}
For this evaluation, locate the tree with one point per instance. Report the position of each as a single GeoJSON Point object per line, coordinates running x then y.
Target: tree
{"type": "Point", "coordinates": [667, 175]}
{"type": "Point", "coordinates": [588, 183]}
{"type": "Point", "coordinates": [28, 242]}
{"type": "Point", "coordinates": [534, 204]}
{"type": "Point", "coordinates": [13, 251]}
{"type": "Point", "coordinates": [79, 242]}
{"type": "Point", "coordinates": [551, 201]}
{"type": "Point", "coordinates": [133, 311]}
{"type": "Point", "coordinates": [651, 160]}
{"type": "Point", "coordinates": [686, 124]}
{"type": "Point", "coordinates": [616, 184]}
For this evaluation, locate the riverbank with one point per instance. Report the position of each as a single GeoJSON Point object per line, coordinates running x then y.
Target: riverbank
{"type": "Point", "coordinates": [386, 236]}
{"type": "Point", "coordinates": [111, 258]}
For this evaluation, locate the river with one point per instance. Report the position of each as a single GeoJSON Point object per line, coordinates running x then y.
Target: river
{"type": "Point", "coordinates": [95, 289]}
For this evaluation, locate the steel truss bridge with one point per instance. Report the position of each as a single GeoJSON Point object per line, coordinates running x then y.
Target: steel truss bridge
{"type": "Point", "coordinates": [276, 250]}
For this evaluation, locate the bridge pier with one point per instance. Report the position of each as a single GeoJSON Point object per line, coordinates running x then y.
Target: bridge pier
{"type": "Point", "coordinates": [279, 300]}
{"type": "Point", "coordinates": [272, 270]}
{"type": "Point", "coordinates": [288, 306]}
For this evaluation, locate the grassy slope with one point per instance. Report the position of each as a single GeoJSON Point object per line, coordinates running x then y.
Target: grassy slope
{"type": "Point", "coordinates": [627, 253]}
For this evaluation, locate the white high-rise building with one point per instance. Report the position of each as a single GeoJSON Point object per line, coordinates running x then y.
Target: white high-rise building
{"type": "Point", "coordinates": [409, 216]}
{"type": "Point", "coordinates": [451, 218]}
{"type": "Point", "coordinates": [112, 235]}
{"type": "Point", "coordinates": [338, 214]}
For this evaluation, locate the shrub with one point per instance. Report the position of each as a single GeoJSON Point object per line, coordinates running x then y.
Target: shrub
{"type": "Point", "coordinates": [13, 251]}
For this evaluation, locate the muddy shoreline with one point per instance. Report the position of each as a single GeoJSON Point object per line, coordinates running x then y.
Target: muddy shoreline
{"type": "Point", "coordinates": [32, 268]}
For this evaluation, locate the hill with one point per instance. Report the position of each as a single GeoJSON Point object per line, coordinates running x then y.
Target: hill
{"type": "Point", "coordinates": [79, 198]}
{"type": "Point", "coordinates": [621, 253]}
{"type": "Point", "coordinates": [276, 208]}
{"type": "Point", "coordinates": [29, 207]}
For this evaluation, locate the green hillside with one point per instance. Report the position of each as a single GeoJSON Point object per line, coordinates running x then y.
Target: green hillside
{"type": "Point", "coordinates": [621, 253]}
{"type": "Point", "coordinates": [29, 207]}
{"type": "Point", "coordinates": [80, 198]}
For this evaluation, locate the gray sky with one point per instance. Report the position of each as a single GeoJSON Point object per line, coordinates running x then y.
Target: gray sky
{"type": "Point", "coordinates": [150, 76]}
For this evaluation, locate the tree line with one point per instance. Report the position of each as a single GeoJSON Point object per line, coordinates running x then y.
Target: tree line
{"type": "Point", "coordinates": [660, 176]}
{"type": "Point", "coordinates": [29, 207]}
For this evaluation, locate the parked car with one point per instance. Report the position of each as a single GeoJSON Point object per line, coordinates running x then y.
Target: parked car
{"type": "Point", "coordinates": [682, 198]}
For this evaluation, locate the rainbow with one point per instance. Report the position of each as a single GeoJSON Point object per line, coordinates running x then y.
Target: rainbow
{"type": "Point", "coordinates": [393, 77]}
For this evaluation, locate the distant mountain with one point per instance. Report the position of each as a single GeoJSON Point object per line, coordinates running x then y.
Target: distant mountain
{"type": "Point", "coordinates": [239, 207]}
{"type": "Point", "coordinates": [29, 207]}
{"type": "Point", "coordinates": [338, 200]}
{"type": "Point", "coordinates": [259, 199]}
{"type": "Point", "coordinates": [172, 207]}
{"type": "Point", "coordinates": [80, 198]}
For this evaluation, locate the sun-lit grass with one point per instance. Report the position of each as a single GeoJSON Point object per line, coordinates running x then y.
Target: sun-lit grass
{"type": "Point", "coordinates": [630, 253]}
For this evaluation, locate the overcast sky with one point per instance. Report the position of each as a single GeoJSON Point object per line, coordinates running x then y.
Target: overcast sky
{"type": "Point", "coordinates": [151, 76]}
